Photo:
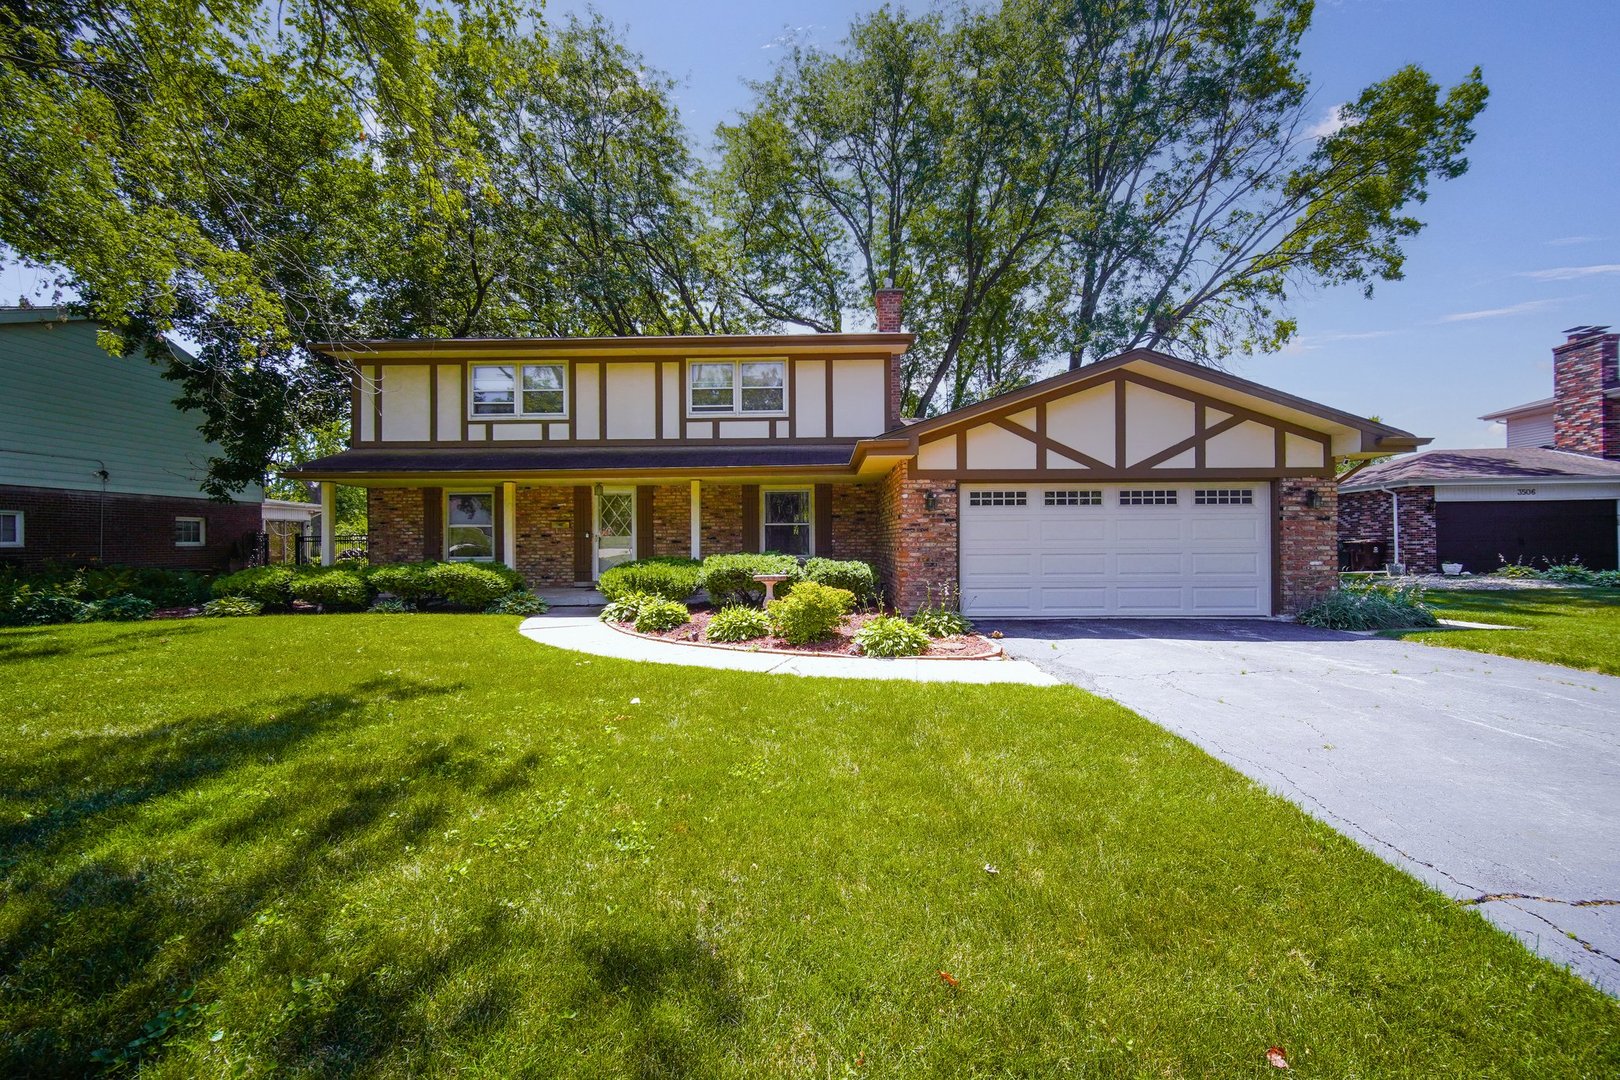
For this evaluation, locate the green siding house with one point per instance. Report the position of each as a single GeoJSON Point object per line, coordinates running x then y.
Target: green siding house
{"type": "Point", "coordinates": [97, 464]}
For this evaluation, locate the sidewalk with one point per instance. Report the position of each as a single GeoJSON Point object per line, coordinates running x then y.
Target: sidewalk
{"type": "Point", "coordinates": [587, 634]}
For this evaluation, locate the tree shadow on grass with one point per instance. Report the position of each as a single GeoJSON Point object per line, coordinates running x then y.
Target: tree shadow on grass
{"type": "Point", "coordinates": [58, 640]}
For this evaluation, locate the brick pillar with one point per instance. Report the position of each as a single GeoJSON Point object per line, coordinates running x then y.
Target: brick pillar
{"type": "Point", "coordinates": [916, 551]}
{"type": "Point", "coordinates": [1585, 369]}
{"type": "Point", "coordinates": [890, 304]}
{"type": "Point", "coordinates": [1307, 560]}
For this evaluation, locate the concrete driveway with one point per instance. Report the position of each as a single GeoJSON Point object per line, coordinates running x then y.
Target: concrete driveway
{"type": "Point", "coordinates": [1495, 780]}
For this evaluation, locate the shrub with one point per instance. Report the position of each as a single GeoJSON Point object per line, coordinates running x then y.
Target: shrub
{"type": "Point", "coordinates": [408, 581]}
{"type": "Point", "coordinates": [729, 579]}
{"type": "Point", "coordinates": [227, 607]}
{"type": "Point", "coordinates": [332, 590]}
{"type": "Point", "coordinates": [811, 612]}
{"type": "Point", "coordinates": [937, 618]}
{"type": "Point", "coordinates": [1370, 607]}
{"type": "Point", "coordinates": [1516, 570]}
{"type": "Point", "coordinates": [518, 602]}
{"type": "Point", "coordinates": [472, 585]}
{"type": "Point", "coordinates": [271, 586]}
{"type": "Point", "coordinates": [1608, 579]}
{"type": "Point", "coordinates": [670, 577]}
{"type": "Point", "coordinates": [41, 609]}
{"type": "Point", "coordinates": [121, 608]}
{"type": "Point", "coordinates": [738, 623]}
{"type": "Point", "coordinates": [889, 635]}
{"type": "Point", "coordinates": [391, 605]}
{"type": "Point", "coordinates": [852, 574]}
{"type": "Point", "coordinates": [164, 588]}
{"type": "Point", "coordinates": [625, 608]}
{"type": "Point", "coordinates": [1568, 574]}
{"type": "Point", "coordinates": [659, 614]}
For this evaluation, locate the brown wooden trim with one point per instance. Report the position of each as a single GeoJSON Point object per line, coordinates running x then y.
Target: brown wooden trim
{"type": "Point", "coordinates": [1109, 475]}
{"type": "Point", "coordinates": [686, 396]}
{"type": "Point", "coordinates": [573, 400]}
{"type": "Point", "coordinates": [793, 395]}
{"type": "Point", "coordinates": [644, 521]}
{"type": "Point", "coordinates": [1276, 548]}
{"type": "Point", "coordinates": [433, 403]}
{"type": "Point", "coordinates": [1119, 424]}
{"type": "Point", "coordinates": [601, 401]}
{"type": "Point", "coordinates": [1040, 432]}
{"type": "Point", "coordinates": [752, 537]}
{"type": "Point", "coordinates": [658, 400]}
{"type": "Point", "coordinates": [500, 524]}
{"type": "Point", "coordinates": [376, 403]}
{"type": "Point", "coordinates": [828, 369]}
{"type": "Point", "coordinates": [1149, 383]}
{"type": "Point", "coordinates": [433, 523]}
{"type": "Point", "coordinates": [466, 402]}
{"type": "Point", "coordinates": [489, 433]}
{"type": "Point", "coordinates": [821, 518]}
{"type": "Point", "coordinates": [874, 346]}
{"type": "Point", "coordinates": [584, 523]}
{"type": "Point", "coordinates": [1043, 444]}
{"type": "Point", "coordinates": [355, 380]}
{"type": "Point", "coordinates": [1280, 448]}
{"type": "Point", "coordinates": [1196, 442]}
{"type": "Point", "coordinates": [1201, 432]}
{"type": "Point", "coordinates": [753, 440]}
{"type": "Point", "coordinates": [961, 451]}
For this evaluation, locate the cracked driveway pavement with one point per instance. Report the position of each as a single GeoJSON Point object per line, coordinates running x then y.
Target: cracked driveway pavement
{"type": "Point", "coordinates": [1495, 780]}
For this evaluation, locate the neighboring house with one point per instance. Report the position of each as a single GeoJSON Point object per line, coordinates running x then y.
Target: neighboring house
{"type": "Point", "coordinates": [288, 528]}
{"type": "Point", "coordinates": [96, 462]}
{"type": "Point", "coordinates": [1140, 485]}
{"type": "Point", "coordinates": [1550, 496]}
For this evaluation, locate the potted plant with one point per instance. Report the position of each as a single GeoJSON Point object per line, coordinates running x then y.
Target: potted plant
{"type": "Point", "coordinates": [1451, 569]}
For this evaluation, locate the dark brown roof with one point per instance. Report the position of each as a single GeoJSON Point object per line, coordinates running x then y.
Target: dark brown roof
{"type": "Point", "coordinates": [1476, 466]}
{"type": "Point", "coordinates": [525, 460]}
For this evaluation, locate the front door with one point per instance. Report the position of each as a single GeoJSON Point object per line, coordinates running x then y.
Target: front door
{"type": "Point", "coordinates": [615, 527]}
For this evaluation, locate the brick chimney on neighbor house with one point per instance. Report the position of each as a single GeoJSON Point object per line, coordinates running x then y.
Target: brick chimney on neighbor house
{"type": "Point", "coordinates": [1586, 393]}
{"type": "Point", "coordinates": [890, 303]}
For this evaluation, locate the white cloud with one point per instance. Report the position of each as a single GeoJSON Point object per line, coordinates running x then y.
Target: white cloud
{"type": "Point", "coordinates": [1568, 241]}
{"type": "Point", "coordinates": [790, 36]}
{"type": "Point", "coordinates": [1502, 312]}
{"type": "Point", "coordinates": [1570, 273]}
{"type": "Point", "coordinates": [1333, 120]}
{"type": "Point", "coordinates": [1308, 342]}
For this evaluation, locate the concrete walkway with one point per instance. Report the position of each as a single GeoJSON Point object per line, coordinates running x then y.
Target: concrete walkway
{"type": "Point", "coordinates": [587, 634]}
{"type": "Point", "coordinates": [1495, 780]}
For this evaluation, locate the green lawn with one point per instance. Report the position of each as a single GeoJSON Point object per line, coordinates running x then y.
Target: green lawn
{"type": "Point", "coordinates": [417, 845]}
{"type": "Point", "coordinates": [1578, 628]}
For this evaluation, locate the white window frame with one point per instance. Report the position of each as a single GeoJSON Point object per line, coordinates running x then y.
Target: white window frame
{"type": "Point", "coordinates": [202, 533]}
{"type": "Point", "coordinates": [709, 412]}
{"type": "Point", "coordinates": [494, 537]}
{"type": "Point", "coordinates": [17, 516]}
{"type": "Point", "coordinates": [517, 412]}
{"type": "Point", "coordinates": [809, 493]}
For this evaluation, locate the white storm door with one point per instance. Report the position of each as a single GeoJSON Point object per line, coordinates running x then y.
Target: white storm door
{"type": "Point", "coordinates": [615, 536]}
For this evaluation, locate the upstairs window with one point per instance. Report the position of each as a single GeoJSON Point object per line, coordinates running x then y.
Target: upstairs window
{"type": "Point", "coordinates": [717, 387]}
{"type": "Point", "coordinates": [11, 528]}
{"type": "Point", "coordinates": [496, 390]}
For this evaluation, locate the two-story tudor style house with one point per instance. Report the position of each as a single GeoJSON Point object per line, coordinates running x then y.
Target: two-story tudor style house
{"type": "Point", "coordinates": [96, 462]}
{"type": "Point", "coordinates": [1140, 485]}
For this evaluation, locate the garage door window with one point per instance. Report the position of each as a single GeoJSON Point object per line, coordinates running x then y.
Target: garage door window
{"type": "Point", "coordinates": [998, 498]}
{"type": "Point", "coordinates": [1131, 497]}
{"type": "Point", "coordinates": [1072, 497]}
{"type": "Point", "coordinates": [1223, 496]}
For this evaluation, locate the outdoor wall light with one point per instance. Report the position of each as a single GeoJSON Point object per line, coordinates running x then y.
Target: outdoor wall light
{"type": "Point", "coordinates": [930, 500]}
{"type": "Point", "coordinates": [1313, 499]}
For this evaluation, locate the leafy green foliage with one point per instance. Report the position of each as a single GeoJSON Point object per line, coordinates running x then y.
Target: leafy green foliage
{"type": "Point", "coordinates": [656, 614]}
{"type": "Point", "coordinates": [230, 607]}
{"type": "Point", "coordinates": [1568, 574]}
{"type": "Point", "coordinates": [852, 574]}
{"type": "Point", "coordinates": [671, 577]}
{"type": "Point", "coordinates": [889, 635]}
{"type": "Point", "coordinates": [936, 620]}
{"type": "Point", "coordinates": [473, 586]}
{"type": "Point", "coordinates": [332, 590]}
{"type": "Point", "coordinates": [625, 608]}
{"type": "Point", "coordinates": [729, 579]}
{"type": "Point", "coordinates": [391, 605]}
{"type": "Point", "coordinates": [1370, 607]}
{"type": "Point", "coordinates": [44, 608]}
{"type": "Point", "coordinates": [518, 602]}
{"type": "Point", "coordinates": [1516, 570]}
{"type": "Point", "coordinates": [122, 608]}
{"type": "Point", "coordinates": [811, 612]}
{"type": "Point", "coordinates": [271, 586]}
{"type": "Point", "coordinates": [408, 581]}
{"type": "Point", "coordinates": [737, 623]}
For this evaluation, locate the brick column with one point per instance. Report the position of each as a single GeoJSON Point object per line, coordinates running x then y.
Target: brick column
{"type": "Point", "coordinates": [917, 550]}
{"type": "Point", "coordinates": [1307, 560]}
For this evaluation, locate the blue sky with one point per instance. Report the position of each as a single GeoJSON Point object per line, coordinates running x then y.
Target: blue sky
{"type": "Point", "coordinates": [1524, 245]}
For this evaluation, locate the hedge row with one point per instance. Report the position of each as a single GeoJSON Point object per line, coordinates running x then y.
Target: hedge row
{"type": "Point", "coordinates": [353, 586]}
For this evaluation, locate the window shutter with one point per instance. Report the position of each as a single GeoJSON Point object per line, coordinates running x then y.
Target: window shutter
{"type": "Point", "coordinates": [750, 518]}
{"type": "Point", "coordinates": [821, 533]}
{"type": "Point", "coordinates": [433, 523]}
{"type": "Point", "coordinates": [644, 521]}
{"type": "Point", "coordinates": [583, 525]}
{"type": "Point", "coordinates": [497, 515]}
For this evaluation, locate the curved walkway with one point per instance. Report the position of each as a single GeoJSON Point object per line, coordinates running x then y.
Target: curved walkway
{"type": "Point", "coordinates": [587, 634]}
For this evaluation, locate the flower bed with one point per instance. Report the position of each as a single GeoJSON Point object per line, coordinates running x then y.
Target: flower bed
{"type": "Point", "coordinates": [955, 647]}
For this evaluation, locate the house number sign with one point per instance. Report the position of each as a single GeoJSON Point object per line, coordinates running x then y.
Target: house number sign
{"type": "Point", "coordinates": [1527, 491]}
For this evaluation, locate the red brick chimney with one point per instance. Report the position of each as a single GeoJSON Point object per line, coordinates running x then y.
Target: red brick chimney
{"type": "Point", "coordinates": [1586, 393]}
{"type": "Point", "coordinates": [890, 302]}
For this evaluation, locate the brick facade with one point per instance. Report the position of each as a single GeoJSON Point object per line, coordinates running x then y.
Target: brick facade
{"type": "Point", "coordinates": [128, 530]}
{"type": "Point", "coordinates": [1366, 515]}
{"type": "Point", "coordinates": [854, 523]}
{"type": "Point", "coordinates": [1307, 558]}
{"type": "Point", "coordinates": [545, 536]}
{"type": "Point", "coordinates": [720, 518]}
{"type": "Point", "coordinates": [890, 305]}
{"type": "Point", "coordinates": [672, 519]}
{"type": "Point", "coordinates": [1585, 419]}
{"type": "Point", "coordinates": [394, 524]}
{"type": "Point", "coordinates": [916, 549]}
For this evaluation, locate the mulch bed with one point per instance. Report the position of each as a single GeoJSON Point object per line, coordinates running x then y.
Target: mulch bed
{"type": "Point", "coordinates": [956, 647]}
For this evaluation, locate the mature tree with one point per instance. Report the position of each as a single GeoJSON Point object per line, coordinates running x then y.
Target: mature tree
{"type": "Point", "coordinates": [1065, 180]}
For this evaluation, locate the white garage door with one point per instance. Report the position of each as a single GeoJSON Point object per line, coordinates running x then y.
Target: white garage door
{"type": "Point", "coordinates": [1126, 550]}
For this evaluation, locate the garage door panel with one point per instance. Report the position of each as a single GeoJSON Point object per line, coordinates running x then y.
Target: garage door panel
{"type": "Point", "coordinates": [1108, 559]}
